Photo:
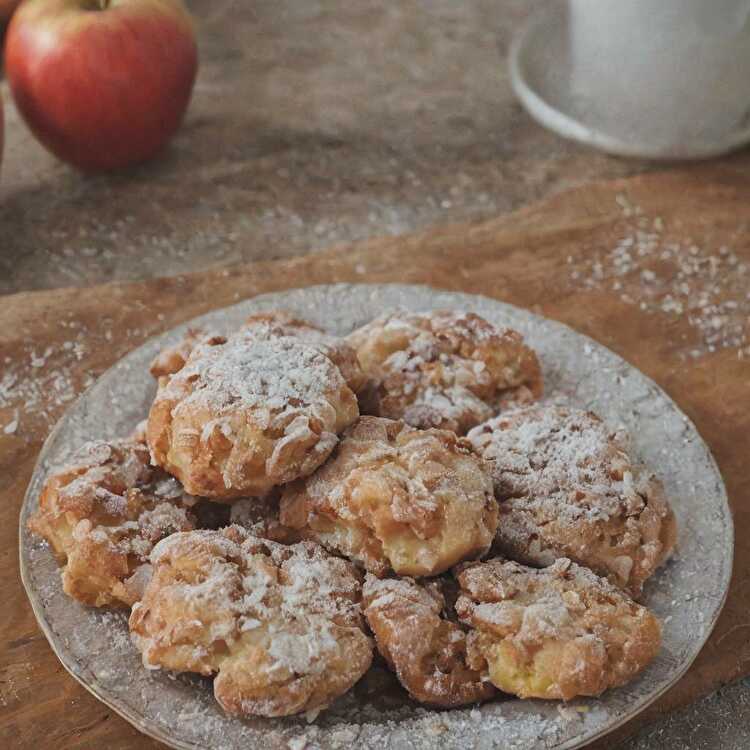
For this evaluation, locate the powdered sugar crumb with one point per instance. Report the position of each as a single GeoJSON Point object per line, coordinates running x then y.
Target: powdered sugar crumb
{"type": "Point", "coordinates": [650, 267]}
{"type": "Point", "coordinates": [12, 426]}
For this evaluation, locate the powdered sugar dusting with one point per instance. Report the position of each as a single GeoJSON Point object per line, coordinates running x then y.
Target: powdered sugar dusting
{"type": "Point", "coordinates": [274, 618]}
{"type": "Point", "coordinates": [269, 373]}
{"type": "Point", "coordinates": [540, 452]}
{"type": "Point", "coordinates": [567, 487]}
{"type": "Point", "coordinates": [448, 368]}
{"type": "Point", "coordinates": [182, 712]}
{"type": "Point", "coordinates": [278, 581]}
{"type": "Point", "coordinates": [40, 380]}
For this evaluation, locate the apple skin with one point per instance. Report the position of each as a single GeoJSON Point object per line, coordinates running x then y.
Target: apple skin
{"type": "Point", "coordinates": [101, 87]}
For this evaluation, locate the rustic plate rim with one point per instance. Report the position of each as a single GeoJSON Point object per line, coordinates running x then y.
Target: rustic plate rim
{"type": "Point", "coordinates": [135, 719]}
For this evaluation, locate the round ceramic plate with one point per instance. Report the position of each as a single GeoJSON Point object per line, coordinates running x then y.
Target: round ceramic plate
{"type": "Point", "coordinates": [687, 594]}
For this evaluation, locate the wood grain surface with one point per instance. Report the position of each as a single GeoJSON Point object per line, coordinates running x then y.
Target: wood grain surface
{"type": "Point", "coordinates": [656, 267]}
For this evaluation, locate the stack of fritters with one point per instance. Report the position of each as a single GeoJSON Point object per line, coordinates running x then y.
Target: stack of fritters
{"type": "Point", "coordinates": [351, 532]}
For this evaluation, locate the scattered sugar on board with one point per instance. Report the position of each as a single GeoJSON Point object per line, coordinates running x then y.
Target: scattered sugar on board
{"type": "Point", "coordinates": [283, 371]}
{"type": "Point", "coordinates": [704, 283]}
{"type": "Point", "coordinates": [40, 381]}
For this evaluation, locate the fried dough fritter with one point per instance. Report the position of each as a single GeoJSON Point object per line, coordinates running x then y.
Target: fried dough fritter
{"type": "Point", "coordinates": [555, 632]}
{"type": "Point", "coordinates": [102, 515]}
{"type": "Point", "coordinates": [396, 498]}
{"type": "Point", "coordinates": [279, 626]}
{"type": "Point", "coordinates": [567, 488]}
{"type": "Point", "coordinates": [445, 369]}
{"type": "Point", "coordinates": [271, 325]}
{"type": "Point", "coordinates": [425, 649]}
{"type": "Point", "coordinates": [247, 413]}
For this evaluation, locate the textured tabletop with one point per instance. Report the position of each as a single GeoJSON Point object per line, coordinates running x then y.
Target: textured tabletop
{"type": "Point", "coordinates": [314, 124]}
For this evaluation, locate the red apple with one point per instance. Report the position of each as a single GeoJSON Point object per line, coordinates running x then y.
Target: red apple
{"type": "Point", "coordinates": [101, 83]}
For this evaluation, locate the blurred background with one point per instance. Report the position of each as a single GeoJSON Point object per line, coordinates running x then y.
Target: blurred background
{"type": "Point", "coordinates": [311, 123]}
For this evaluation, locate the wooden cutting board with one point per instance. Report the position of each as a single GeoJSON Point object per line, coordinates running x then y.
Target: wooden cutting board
{"type": "Point", "coordinates": [657, 268]}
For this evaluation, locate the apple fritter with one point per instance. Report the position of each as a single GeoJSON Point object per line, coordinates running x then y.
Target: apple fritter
{"type": "Point", "coordinates": [279, 626]}
{"type": "Point", "coordinates": [567, 488]}
{"type": "Point", "coordinates": [422, 645]}
{"type": "Point", "coordinates": [445, 369]}
{"type": "Point", "coordinates": [394, 498]}
{"type": "Point", "coordinates": [247, 413]}
{"type": "Point", "coordinates": [102, 515]}
{"type": "Point", "coordinates": [555, 632]}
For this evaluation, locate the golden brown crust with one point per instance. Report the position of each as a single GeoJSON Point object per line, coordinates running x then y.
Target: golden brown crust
{"type": "Point", "coordinates": [443, 369]}
{"type": "Point", "coordinates": [248, 413]}
{"type": "Point", "coordinates": [425, 649]}
{"type": "Point", "coordinates": [557, 632]}
{"type": "Point", "coordinates": [102, 515]}
{"type": "Point", "coordinates": [567, 488]}
{"type": "Point", "coordinates": [173, 358]}
{"type": "Point", "coordinates": [396, 498]}
{"type": "Point", "coordinates": [280, 626]}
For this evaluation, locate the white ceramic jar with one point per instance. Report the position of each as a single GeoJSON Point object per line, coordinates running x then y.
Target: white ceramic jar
{"type": "Point", "coordinates": [673, 73]}
{"type": "Point", "coordinates": [660, 78]}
